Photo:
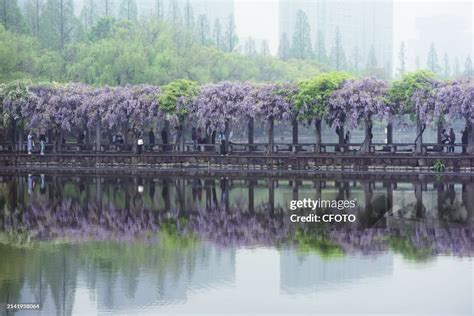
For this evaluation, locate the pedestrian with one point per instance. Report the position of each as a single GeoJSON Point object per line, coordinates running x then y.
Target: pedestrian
{"type": "Point", "coordinates": [222, 139]}
{"type": "Point", "coordinates": [464, 140]}
{"type": "Point", "coordinates": [164, 138]}
{"type": "Point", "coordinates": [347, 139]}
{"type": "Point", "coordinates": [151, 138]}
{"type": "Point", "coordinates": [30, 143]}
{"type": "Point", "coordinates": [42, 140]}
{"type": "Point", "coordinates": [452, 140]}
{"type": "Point", "coordinates": [140, 144]}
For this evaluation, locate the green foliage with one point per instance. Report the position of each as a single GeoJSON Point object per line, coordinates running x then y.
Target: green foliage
{"type": "Point", "coordinates": [439, 166]}
{"type": "Point", "coordinates": [123, 52]}
{"type": "Point", "coordinates": [178, 91]}
{"type": "Point", "coordinates": [312, 99]}
{"type": "Point", "coordinates": [316, 241]}
{"type": "Point", "coordinates": [403, 89]}
{"type": "Point", "coordinates": [405, 247]}
{"type": "Point", "coordinates": [15, 94]}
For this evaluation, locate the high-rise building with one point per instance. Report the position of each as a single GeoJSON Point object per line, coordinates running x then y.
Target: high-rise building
{"type": "Point", "coordinates": [362, 24]}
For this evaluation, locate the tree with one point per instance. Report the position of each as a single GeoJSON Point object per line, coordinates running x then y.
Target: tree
{"type": "Point", "coordinates": [217, 35]}
{"type": "Point", "coordinates": [173, 14]}
{"type": "Point", "coordinates": [89, 14]}
{"type": "Point", "coordinates": [32, 13]}
{"type": "Point", "coordinates": [284, 47]}
{"type": "Point", "coordinates": [320, 49]}
{"type": "Point", "coordinates": [356, 58]}
{"type": "Point", "coordinates": [457, 68]}
{"type": "Point", "coordinates": [468, 70]}
{"type": "Point", "coordinates": [188, 16]}
{"type": "Point", "coordinates": [417, 62]}
{"type": "Point", "coordinates": [11, 16]}
{"type": "Point", "coordinates": [338, 58]}
{"type": "Point", "coordinates": [301, 46]}
{"type": "Point", "coordinates": [402, 57]}
{"type": "Point", "coordinates": [230, 37]}
{"type": "Point", "coordinates": [203, 30]}
{"type": "Point", "coordinates": [220, 106]}
{"type": "Point", "coordinates": [312, 99]}
{"type": "Point", "coordinates": [406, 95]}
{"type": "Point", "coordinates": [453, 100]}
{"type": "Point", "coordinates": [175, 102]}
{"type": "Point", "coordinates": [371, 60]}
{"type": "Point", "coordinates": [272, 102]}
{"type": "Point", "coordinates": [446, 68]}
{"type": "Point", "coordinates": [250, 49]}
{"type": "Point", "coordinates": [432, 61]}
{"type": "Point", "coordinates": [128, 10]}
{"type": "Point", "coordinates": [107, 8]}
{"type": "Point", "coordinates": [58, 23]}
{"type": "Point", "coordinates": [265, 50]}
{"type": "Point", "coordinates": [359, 102]}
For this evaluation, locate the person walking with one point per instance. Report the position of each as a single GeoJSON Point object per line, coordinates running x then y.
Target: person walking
{"type": "Point", "coordinates": [452, 140]}
{"type": "Point", "coordinates": [140, 144]}
{"type": "Point", "coordinates": [222, 139]}
{"type": "Point", "coordinates": [164, 138]}
{"type": "Point", "coordinates": [42, 140]}
{"type": "Point", "coordinates": [30, 143]}
{"type": "Point", "coordinates": [151, 139]}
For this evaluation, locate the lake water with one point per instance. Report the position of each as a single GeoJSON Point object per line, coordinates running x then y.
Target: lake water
{"type": "Point", "coordinates": [150, 245]}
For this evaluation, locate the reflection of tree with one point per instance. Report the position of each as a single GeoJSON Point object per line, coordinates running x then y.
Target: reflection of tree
{"type": "Point", "coordinates": [315, 240]}
{"type": "Point", "coordinates": [404, 246]}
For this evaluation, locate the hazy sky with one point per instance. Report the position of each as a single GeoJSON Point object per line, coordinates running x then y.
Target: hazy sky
{"type": "Point", "coordinates": [259, 19]}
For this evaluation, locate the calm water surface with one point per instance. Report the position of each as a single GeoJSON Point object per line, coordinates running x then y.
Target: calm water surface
{"type": "Point", "coordinates": [118, 245]}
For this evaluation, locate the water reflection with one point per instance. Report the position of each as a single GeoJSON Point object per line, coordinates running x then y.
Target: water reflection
{"type": "Point", "coordinates": [139, 244]}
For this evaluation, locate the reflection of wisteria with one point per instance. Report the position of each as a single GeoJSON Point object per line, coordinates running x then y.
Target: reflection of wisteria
{"type": "Point", "coordinates": [229, 226]}
{"type": "Point", "coordinates": [237, 226]}
{"type": "Point", "coordinates": [70, 220]}
{"type": "Point", "coordinates": [433, 241]}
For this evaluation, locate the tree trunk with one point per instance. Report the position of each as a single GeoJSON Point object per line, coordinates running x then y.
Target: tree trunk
{"type": "Point", "coordinates": [419, 135]}
{"type": "Point", "coordinates": [340, 136]}
{"type": "Point", "coordinates": [21, 135]}
{"type": "Point", "coordinates": [470, 137]}
{"type": "Point", "coordinates": [182, 130]}
{"type": "Point", "coordinates": [294, 125]}
{"type": "Point", "coordinates": [419, 199]}
{"type": "Point", "coordinates": [439, 136]}
{"type": "Point", "coordinates": [365, 147]}
{"type": "Point", "coordinates": [13, 135]}
{"type": "Point", "coordinates": [97, 137]}
{"type": "Point", "coordinates": [390, 133]}
{"type": "Point", "coordinates": [226, 133]}
{"type": "Point", "coordinates": [317, 147]}
{"type": "Point", "coordinates": [250, 131]}
{"type": "Point", "coordinates": [271, 195]}
{"type": "Point", "coordinates": [271, 139]}
{"type": "Point", "coordinates": [251, 196]}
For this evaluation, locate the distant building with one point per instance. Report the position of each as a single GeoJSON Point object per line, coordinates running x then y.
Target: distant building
{"type": "Point", "coordinates": [301, 274]}
{"type": "Point", "coordinates": [361, 23]}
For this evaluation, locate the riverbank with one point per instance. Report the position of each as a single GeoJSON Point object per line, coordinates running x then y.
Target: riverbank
{"type": "Point", "coordinates": [254, 161]}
